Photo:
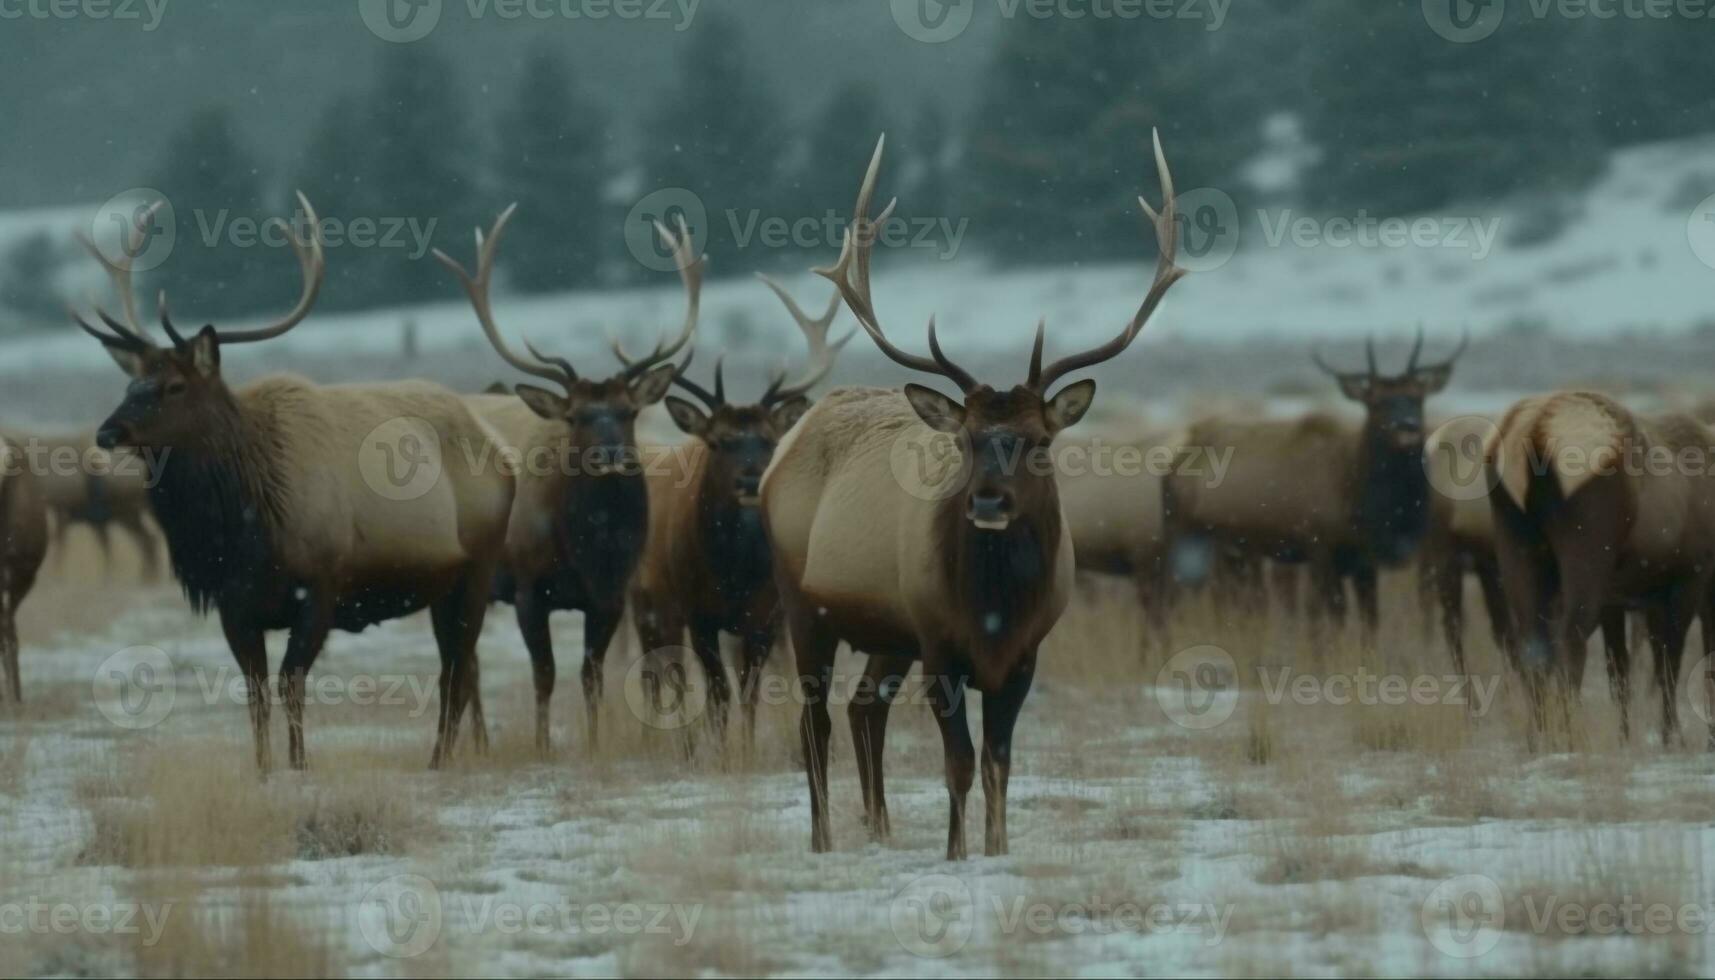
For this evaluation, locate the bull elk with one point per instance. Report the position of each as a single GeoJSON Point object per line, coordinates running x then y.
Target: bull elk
{"type": "Point", "coordinates": [1315, 490]}
{"type": "Point", "coordinates": [116, 497]}
{"type": "Point", "coordinates": [964, 562]}
{"type": "Point", "coordinates": [271, 513]}
{"type": "Point", "coordinates": [23, 542]}
{"type": "Point", "coordinates": [1594, 513]}
{"type": "Point", "coordinates": [706, 567]}
{"type": "Point", "coordinates": [577, 528]}
{"type": "Point", "coordinates": [1461, 537]}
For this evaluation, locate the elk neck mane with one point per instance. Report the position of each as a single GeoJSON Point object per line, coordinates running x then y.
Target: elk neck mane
{"type": "Point", "coordinates": [1000, 580]}
{"type": "Point", "coordinates": [1391, 502]}
{"type": "Point", "coordinates": [221, 504]}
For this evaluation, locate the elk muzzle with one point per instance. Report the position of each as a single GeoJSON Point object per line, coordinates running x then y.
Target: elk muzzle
{"type": "Point", "coordinates": [990, 510]}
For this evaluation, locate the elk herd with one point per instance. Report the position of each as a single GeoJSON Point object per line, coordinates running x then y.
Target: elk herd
{"type": "Point", "coordinates": [788, 516]}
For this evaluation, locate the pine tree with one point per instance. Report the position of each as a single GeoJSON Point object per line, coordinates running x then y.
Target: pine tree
{"type": "Point", "coordinates": [422, 166]}
{"type": "Point", "coordinates": [719, 134]}
{"type": "Point", "coordinates": [333, 175]}
{"type": "Point", "coordinates": [553, 153]}
{"type": "Point", "coordinates": [1408, 121]}
{"type": "Point", "coordinates": [1061, 142]}
{"type": "Point", "coordinates": [217, 268]}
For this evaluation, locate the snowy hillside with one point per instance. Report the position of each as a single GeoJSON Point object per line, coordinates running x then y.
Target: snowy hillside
{"type": "Point", "coordinates": [1625, 260]}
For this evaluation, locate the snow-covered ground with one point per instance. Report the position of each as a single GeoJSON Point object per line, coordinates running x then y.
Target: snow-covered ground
{"type": "Point", "coordinates": [1298, 836]}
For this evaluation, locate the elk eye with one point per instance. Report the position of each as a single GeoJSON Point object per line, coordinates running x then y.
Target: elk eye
{"type": "Point", "coordinates": [176, 387]}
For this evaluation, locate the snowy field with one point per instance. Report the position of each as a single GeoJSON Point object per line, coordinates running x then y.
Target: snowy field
{"type": "Point", "coordinates": [1272, 822]}
{"type": "Point", "coordinates": [1236, 803]}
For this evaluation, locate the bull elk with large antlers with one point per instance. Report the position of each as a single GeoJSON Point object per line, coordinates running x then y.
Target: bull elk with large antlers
{"type": "Point", "coordinates": [1598, 509]}
{"type": "Point", "coordinates": [914, 525]}
{"type": "Point", "coordinates": [578, 524]}
{"type": "Point", "coordinates": [707, 567]}
{"type": "Point", "coordinates": [23, 542]}
{"type": "Point", "coordinates": [1316, 490]}
{"type": "Point", "coordinates": [269, 502]}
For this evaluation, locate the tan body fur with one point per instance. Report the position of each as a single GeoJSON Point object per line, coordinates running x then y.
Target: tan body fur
{"type": "Point", "coordinates": [23, 541]}
{"type": "Point", "coordinates": [1594, 513]}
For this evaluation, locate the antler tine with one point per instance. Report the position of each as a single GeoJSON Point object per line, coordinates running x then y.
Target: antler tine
{"type": "Point", "coordinates": [815, 330]}
{"type": "Point", "coordinates": [851, 274]}
{"type": "Point", "coordinates": [1166, 274]}
{"type": "Point", "coordinates": [1370, 356]}
{"type": "Point", "coordinates": [1464, 341]}
{"type": "Point", "coordinates": [476, 287]}
{"type": "Point", "coordinates": [559, 362]}
{"type": "Point", "coordinates": [1416, 349]}
{"type": "Point", "coordinates": [711, 401]}
{"type": "Point", "coordinates": [121, 338]}
{"type": "Point", "coordinates": [312, 263]}
{"type": "Point", "coordinates": [691, 275]}
{"type": "Point", "coordinates": [120, 272]}
{"type": "Point", "coordinates": [1316, 355]}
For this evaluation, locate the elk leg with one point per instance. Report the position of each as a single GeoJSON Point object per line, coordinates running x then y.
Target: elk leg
{"type": "Point", "coordinates": [1668, 620]}
{"type": "Point", "coordinates": [532, 610]}
{"type": "Point", "coordinates": [1619, 657]}
{"type": "Point", "coordinates": [1327, 601]}
{"type": "Point", "coordinates": [813, 646]}
{"type": "Point", "coordinates": [1000, 714]}
{"type": "Point", "coordinates": [947, 699]}
{"type": "Point", "coordinates": [1494, 601]}
{"type": "Point", "coordinates": [706, 644]}
{"type": "Point", "coordinates": [867, 712]}
{"type": "Point", "coordinates": [1369, 614]}
{"type": "Point", "coordinates": [147, 547]}
{"type": "Point", "coordinates": [757, 646]}
{"type": "Point", "coordinates": [104, 538]}
{"type": "Point", "coordinates": [11, 684]}
{"type": "Point", "coordinates": [250, 648]}
{"type": "Point", "coordinates": [457, 620]}
{"type": "Point", "coordinates": [304, 644]}
{"type": "Point", "coordinates": [1443, 582]}
{"type": "Point", "coordinates": [600, 623]}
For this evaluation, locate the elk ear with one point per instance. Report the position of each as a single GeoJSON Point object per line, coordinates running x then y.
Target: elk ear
{"type": "Point", "coordinates": [786, 414]}
{"type": "Point", "coordinates": [544, 402]}
{"type": "Point", "coordinates": [1357, 388]}
{"type": "Point", "coordinates": [129, 361]}
{"type": "Point", "coordinates": [936, 410]}
{"type": "Point", "coordinates": [689, 418]}
{"type": "Point", "coordinates": [1432, 380]}
{"type": "Point", "coordinates": [654, 383]}
{"type": "Point", "coordinates": [1066, 408]}
{"type": "Point", "coordinates": [204, 351]}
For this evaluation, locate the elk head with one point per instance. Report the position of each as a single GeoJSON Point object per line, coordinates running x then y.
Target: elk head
{"type": "Point", "coordinates": [1005, 433]}
{"type": "Point", "coordinates": [175, 390]}
{"type": "Point", "coordinates": [600, 414]}
{"type": "Point", "coordinates": [1393, 404]}
{"type": "Point", "coordinates": [741, 438]}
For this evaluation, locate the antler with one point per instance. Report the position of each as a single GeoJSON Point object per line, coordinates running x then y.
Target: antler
{"type": "Point", "coordinates": [120, 273]}
{"type": "Point", "coordinates": [822, 354]}
{"type": "Point", "coordinates": [1464, 341]}
{"type": "Point", "coordinates": [691, 274]}
{"type": "Point", "coordinates": [1166, 274]}
{"type": "Point", "coordinates": [712, 400]}
{"type": "Point", "coordinates": [851, 275]}
{"type": "Point", "coordinates": [477, 288]}
{"type": "Point", "coordinates": [312, 263]}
